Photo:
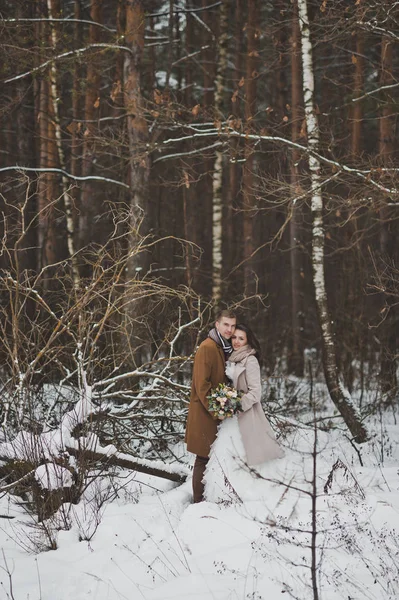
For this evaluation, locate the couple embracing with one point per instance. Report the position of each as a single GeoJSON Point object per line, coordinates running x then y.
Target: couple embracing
{"type": "Point", "coordinates": [230, 352]}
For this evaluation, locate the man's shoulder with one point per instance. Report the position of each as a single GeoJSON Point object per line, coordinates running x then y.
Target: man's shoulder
{"type": "Point", "coordinates": [207, 345]}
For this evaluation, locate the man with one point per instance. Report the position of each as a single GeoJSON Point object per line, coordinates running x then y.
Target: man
{"type": "Point", "coordinates": [208, 372]}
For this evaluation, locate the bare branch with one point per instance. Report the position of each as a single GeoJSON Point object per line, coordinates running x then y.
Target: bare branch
{"type": "Point", "coordinates": [63, 172]}
{"type": "Point", "coordinates": [66, 55]}
{"type": "Point", "coordinates": [52, 20]}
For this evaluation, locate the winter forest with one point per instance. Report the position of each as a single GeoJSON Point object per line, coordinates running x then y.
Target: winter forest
{"type": "Point", "coordinates": [162, 160]}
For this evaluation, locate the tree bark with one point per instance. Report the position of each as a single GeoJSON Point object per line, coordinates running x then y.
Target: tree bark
{"type": "Point", "coordinates": [234, 245]}
{"type": "Point", "coordinates": [54, 11]}
{"type": "Point", "coordinates": [217, 184]}
{"type": "Point", "coordinates": [46, 187]}
{"type": "Point", "coordinates": [124, 463]}
{"type": "Point", "coordinates": [358, 85]}
{"type": "Point", "coordinates": [139, 164]}
{"type": "Point", "coordinates": [388, 329]}
{"type": "Point", "coordinates": [249, 164]}
{"type": "Point", "coordinates": [91, 112]}
{"type": "Point", "coordinates": [341, 400]}
{"type": "Point", "coordinates": [296, 362]}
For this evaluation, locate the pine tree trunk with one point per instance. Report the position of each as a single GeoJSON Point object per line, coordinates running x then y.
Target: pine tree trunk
{"type": "Point", "coordinates": [357, 113]}
{"type": "Point", "coordinates": [139, 165]}
{"type": "Point", "coordinates": [249, 165]}
{"type": "Point", "coordinates": [234, 227]}
{"type": "Point", "coordinates": [338, 395]}
{"type": "Point", "coordinates": [388, 329]}
{"type": "Point", "coordinates": [296, 362]}
{"type": "Point", "coordinates": [91, 111]}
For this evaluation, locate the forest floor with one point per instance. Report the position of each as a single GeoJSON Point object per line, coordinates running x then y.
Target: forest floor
{"type": "Point", "coordinates": [135, 537]}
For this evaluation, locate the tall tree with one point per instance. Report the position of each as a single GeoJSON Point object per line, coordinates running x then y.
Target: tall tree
{"type": "Point", "coordinates": [47, 187]}
{"type": "Point", "coordinates": [337, 393]}
{"type": "Point", "coordinates": [249, 165]}
{"type": "Point", "coordinates": [388, 329]}
{"type": "Point", "coordinates": [358, 84]}
{"type": "Point", "coordinates": [91, 112]}
{"type": "Point", "coordinates": [137, 129]}
{"type": "Point", "coordinates": [295, 230]}
{"type": "Point", "coordinates": [217, 186]}
{"type": "Point", "coordinates": [54, 12]}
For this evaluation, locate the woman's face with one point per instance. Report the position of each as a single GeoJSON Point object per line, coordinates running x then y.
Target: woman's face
{"type": "Point", "coordinates": [239, 339]}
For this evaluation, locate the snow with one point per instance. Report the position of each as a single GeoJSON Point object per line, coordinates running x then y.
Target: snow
{"type": "Point", "coordinates": [136, 536]}
{"type": "Point", "coordinates": [51, 476]}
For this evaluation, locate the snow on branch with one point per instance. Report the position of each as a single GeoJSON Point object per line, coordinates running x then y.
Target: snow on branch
{"type": "Point", "coordinates": [228, 132]}
{"type": "Point", "coordinates": [78, 51]}
{"type": "Point", "coordinates": [63, 172]}
{"type": "Point", "coordinates": [53, 20]}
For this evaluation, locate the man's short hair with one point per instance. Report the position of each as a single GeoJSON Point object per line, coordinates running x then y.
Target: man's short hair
{"type": "Point", "coordinates": [226, 314]}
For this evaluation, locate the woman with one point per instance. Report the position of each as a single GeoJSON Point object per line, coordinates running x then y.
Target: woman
{"type": "Point", "coordinates": [245, 440]}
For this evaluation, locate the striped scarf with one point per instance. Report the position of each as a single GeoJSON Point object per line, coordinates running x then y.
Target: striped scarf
{"type": "Point", "coordinates": [226, 345]}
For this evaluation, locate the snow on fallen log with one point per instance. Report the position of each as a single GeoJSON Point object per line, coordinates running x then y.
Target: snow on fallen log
{"type": "Point", "coordinates": [51, 476]}
{"type": "Point", "coordinates": [110, 456]}
{"type": "Point", "coordinates": [47, 448]}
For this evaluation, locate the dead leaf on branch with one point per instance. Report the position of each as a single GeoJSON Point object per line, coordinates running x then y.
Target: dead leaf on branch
{"type": "Point", "coordinates": [116, 90]}
{"type": "Point", "coordinates": [186, 180]}
{"type": "Point", "coordinates": [157, 97]}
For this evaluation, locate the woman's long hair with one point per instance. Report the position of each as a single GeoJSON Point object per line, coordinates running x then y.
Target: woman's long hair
{"type": "Point", "coordinates": [251, 339]}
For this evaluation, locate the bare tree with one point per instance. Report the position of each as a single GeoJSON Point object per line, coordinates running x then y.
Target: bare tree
{"type": "Point", "coordinates": [337, 393]}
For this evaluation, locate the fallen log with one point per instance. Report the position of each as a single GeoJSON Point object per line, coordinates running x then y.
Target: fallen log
{"type": "Point", "coordinates": [175, 473]}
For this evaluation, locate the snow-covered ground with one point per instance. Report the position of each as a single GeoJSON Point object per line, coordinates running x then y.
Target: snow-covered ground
{"type": "Point", "coordinates": [140, 537]}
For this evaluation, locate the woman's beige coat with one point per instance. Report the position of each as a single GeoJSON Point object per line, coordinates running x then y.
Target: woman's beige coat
{"type": "Point", "coordinates": [257, 435]}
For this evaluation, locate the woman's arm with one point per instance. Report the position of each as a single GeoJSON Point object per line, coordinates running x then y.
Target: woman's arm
{"type": "Point", "coordinates": [252, 376]}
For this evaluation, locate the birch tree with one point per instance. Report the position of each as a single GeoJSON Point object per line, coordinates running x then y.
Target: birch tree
{"type": "Point", "coordinates": [217, 186]}
{"type": "Point", "coordinates": [338, 395]}
{"type": "Point", "coordinates": [47, 188]}
{"type": "Point", "coordinates": [296, 258]}
{"type": "Point", "coordinates": [54, 12]}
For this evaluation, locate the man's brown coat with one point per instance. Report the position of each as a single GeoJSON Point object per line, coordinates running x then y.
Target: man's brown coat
{"type": "Point", "coordinates": [208, 372]}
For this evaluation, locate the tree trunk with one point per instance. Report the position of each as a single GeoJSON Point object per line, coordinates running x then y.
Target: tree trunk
{"type": "Point", "coordinates": [139, 169]}
{"type": "Point", "coordinates": [234, 237]}
{"type": "Point", "coordinates": [54, 11]}
{"type": "Point", "coordinates": [357, 112]}
{"type": "Point", "coordinates": [91, 112]}
{"type": "Point", "coordinates": [341, 399]}
{"type": "Point", "coordinates": [46, 186]}
{"type": "Point", "coordinates": [125, 463]}
{"type": "Point", "coordinates": [249, 165]}
{"type": "Point", "coordinates": [139, 165]}
{"type": "Point", "coordinates": [296, 362]}
{"type": "Point", "coordinates": [217, 211]}
{"type": "Point", "coordinates": [388, 329]}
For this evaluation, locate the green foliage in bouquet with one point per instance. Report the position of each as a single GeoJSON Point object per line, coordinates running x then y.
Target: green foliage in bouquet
{"type": "Point", "coordinates": [224, 401]}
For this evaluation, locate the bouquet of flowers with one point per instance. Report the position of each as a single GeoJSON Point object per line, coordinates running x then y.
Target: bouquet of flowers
{"type": "Point", "coordinates": [224, 401]}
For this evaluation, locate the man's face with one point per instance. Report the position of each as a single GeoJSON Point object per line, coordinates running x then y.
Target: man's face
{"type": "Point", "coordinates": [226, 327]}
